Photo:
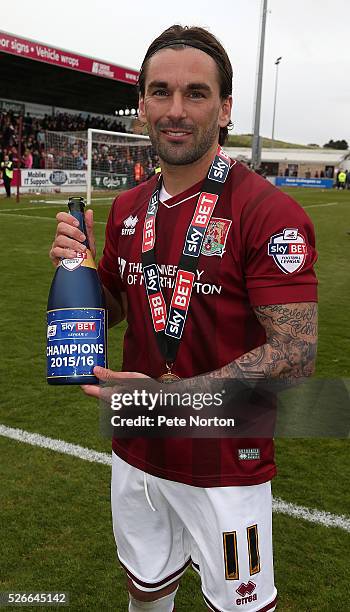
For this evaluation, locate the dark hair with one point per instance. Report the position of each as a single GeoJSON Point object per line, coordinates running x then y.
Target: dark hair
{"type": "Point", "coordinates": [178, 36]}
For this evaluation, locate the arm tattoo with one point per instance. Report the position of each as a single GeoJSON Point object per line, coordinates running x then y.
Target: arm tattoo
{"type": "Point", "coordinates": [290, 349]}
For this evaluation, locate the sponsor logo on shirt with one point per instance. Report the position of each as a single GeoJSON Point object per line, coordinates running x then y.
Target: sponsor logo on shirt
{"type": "Point", "coordinates": [180, 303]}
{"type": "Point", "coordinates": [288, 249]}
{"type": "Point", "coordinates": [129, 226]}
{"type": "Point", "coordinates": [246, 591]}
{"type": "Point", "coordinates": [220, 168]}
{"type": "Point", "coordinates": [248, 454]}
{"type": "Point", "coordinates": [131, 273]}
{"type": "Point", "coordinates": [201, 218]}
{"type": "Point", "coordinates": [215, 238]}
{"type": "Point", "coordinates": [155, 296]}
{"type": "Point", "coordinates": [149, 228]}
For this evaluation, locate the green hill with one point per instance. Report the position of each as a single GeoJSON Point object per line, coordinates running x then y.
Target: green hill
{"type": "Point", "coordinates": [245, 140]}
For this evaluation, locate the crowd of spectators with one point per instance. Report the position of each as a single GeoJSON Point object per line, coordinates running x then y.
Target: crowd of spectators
{"type": "Point", "coordinates": [60, 142]}
{"type": "Point", "coordinates": [35, 152]}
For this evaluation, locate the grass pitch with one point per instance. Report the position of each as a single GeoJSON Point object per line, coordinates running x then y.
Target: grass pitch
{"type": "Point", "coordinates": [55, 517]}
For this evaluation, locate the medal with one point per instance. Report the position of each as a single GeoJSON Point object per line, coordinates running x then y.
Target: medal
{"type": "Point", "coordinates": [169, 376]}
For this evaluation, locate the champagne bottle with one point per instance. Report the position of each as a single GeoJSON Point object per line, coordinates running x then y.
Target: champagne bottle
{"type": "Point", "coordinates": [76, 316]}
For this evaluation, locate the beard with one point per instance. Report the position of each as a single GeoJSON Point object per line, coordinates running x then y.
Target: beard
{"type": "Point", "coordinates": [182, 154]}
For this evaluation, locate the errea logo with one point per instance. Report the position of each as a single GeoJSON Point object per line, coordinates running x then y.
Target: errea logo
{"type": "Point", "coordinates": [246, 592]}
{"type": "Point", "coordinates": [129, 226]}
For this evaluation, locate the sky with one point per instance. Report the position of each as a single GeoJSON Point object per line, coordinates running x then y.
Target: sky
{"type": "Point", "coordinates": [313, 98]}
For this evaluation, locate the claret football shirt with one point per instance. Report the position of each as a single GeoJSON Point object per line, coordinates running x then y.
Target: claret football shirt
{"type": "Point", "coordinates": [259, 249]}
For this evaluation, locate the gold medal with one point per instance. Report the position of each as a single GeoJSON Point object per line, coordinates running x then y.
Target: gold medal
{"type": "Point", "coordinates": [169, 376]}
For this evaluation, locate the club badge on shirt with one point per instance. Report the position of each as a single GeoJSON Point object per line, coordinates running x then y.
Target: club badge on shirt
{"type": "Point", "coordinates": [215, 238]}
{"type": "Point", "coordinates": [288, 249]}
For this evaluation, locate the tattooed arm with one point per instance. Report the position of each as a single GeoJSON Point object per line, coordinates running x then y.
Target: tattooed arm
{"type": "Point", "coordinates": [290, 349]}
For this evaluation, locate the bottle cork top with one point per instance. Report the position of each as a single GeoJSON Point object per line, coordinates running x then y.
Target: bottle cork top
{"type": "Point", "coordinates": [76, 203]}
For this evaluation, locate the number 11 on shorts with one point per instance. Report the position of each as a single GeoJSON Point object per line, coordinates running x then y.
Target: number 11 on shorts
{"type": "Point", "coordinates": [231, 553]}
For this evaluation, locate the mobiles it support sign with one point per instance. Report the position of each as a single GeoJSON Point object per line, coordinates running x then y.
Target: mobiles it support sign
{"type": "Point", "coordinates": [65, 59]}
{"type": "Point", "coordinates": [47, 181]}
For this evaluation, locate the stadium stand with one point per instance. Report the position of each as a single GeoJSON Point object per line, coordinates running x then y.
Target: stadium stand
{"type": "Point", "coordinates": [33, 142]}
{"type": "Point", "coordinates": [58, 93]}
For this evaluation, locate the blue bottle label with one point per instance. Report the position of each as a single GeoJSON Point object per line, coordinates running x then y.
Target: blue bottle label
{"type": "Point", "coordinates": [75, 341]}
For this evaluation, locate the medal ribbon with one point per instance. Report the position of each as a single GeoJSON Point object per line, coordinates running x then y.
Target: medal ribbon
{"type": "Point", "coordinates": [169, 326]}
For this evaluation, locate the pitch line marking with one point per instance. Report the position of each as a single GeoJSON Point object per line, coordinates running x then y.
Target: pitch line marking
{"type": "Point", "coordinates": [52, 204]}
{"type": "Point", "coordinates": [4, 214]}
{"type": "Point", "coordinates": [65, 201]}
{"type": "Point", "coordinates": [312, 515]}
{"type": "Point", "coordinates": [320, 517]}
{"type": "Point", "coordinates": [322, 205]}
{"type": "Point", "coordinates": [59, 446]}
{"type": "Point", "coordinates": [24, 208]}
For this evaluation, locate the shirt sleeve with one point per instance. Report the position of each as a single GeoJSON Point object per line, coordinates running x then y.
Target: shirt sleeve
{"type": "Point", "coordinates": [109, 265]}
{"type": "Point", "coordinates": [280, 253]}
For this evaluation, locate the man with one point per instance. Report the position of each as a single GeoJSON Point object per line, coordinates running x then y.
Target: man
{"type": "Point", "coordinates": [341, 179]}
{"type": "Point", "coordinates": [348, 179]}
{"type": "Point", "coordinates": [7, 174]}
{"type": "Point", "coordinates": [205, 501]}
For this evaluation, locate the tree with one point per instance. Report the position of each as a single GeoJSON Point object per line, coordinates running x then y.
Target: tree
{"type": "Point", "coordinates": [336, 144]}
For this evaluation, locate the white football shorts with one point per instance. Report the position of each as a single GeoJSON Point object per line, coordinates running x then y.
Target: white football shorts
{"type": "Point", "coordinates": [161, 527]}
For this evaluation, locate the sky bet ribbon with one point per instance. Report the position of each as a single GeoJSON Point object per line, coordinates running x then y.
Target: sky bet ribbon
{"type": "Point", "coordinates": [169, 327]}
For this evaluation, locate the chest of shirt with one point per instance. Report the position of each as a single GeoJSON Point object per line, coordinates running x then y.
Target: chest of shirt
{"type": "Point", "coordinates": [219, 266]}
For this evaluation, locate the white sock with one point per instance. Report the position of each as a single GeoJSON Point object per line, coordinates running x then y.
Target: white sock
{"type": "Point", "coordinates": [164, 604]}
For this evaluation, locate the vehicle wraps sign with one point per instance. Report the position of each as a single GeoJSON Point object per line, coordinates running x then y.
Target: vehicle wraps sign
{"type": "Point", "coordinates": [65, 59]}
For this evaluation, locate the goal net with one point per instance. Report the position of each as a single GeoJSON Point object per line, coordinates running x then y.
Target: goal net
{"type": "Point", "coordinates": [117, 161]}
{"type": "Point", "coordinates": [98, 160]}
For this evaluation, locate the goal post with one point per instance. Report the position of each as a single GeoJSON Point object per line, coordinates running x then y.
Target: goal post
{"type": "Point", "coordinates": [94, 160]}
{"type": "Point", "coordinates": [116, 160]}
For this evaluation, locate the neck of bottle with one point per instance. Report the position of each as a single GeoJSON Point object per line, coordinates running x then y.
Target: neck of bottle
{"type": "Point", "coordinates": [76, 208]}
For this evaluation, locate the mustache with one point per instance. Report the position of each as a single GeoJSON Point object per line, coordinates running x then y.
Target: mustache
{"type": "Point", "coordinates": [179, 125]}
